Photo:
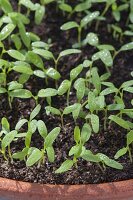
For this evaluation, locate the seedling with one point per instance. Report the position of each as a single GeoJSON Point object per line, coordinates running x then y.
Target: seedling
{"type": "Point", "coordinates": [83, 23]}
{"type": "Point", "coordinates": [79, 151]}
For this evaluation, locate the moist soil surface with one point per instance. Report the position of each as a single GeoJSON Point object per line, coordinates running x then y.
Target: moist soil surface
{"type": "Point", "coordinates": [107, 142]}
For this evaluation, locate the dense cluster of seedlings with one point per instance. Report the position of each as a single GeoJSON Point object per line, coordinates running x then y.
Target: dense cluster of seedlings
{"type": "Point", "coordinates": [24, 54]}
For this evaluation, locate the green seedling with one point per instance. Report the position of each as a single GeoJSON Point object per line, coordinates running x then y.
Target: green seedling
{"type": "Point", "coordinates": [53, 72]}
{"type": "Point", "coordinates": [37, 8]}
{"type": "Point", "coordinates": [126, 149]}
{"type": "Point", "coordinates": [80, 7]}
{"type": "Point", "coordinates": [8, 137]}
{"type": "Point", "coordinates": [83, 23]}
{"type": "Point", "coordinates": [65, 86]}
{"type": "Point", "coordinates": [79, 151]}
{"type": "Point", "coordinates": [55, 111]}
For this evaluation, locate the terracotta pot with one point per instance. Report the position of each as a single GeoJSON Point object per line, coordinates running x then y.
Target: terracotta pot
{"type": "Point", "coordinates": [17, 190]}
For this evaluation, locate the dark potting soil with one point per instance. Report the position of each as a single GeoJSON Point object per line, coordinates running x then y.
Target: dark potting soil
{"type": "Point", "coordinates": [107, 142]}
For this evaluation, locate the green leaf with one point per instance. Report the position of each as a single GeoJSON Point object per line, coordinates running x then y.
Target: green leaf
{"type": "Point", "coordinates": [15, 38]}
{"type": "Point", "coordinates": [21, 93]}
{"type": "Point", "coordinates": [75, 72]}
{"type": "Point", "coordinates": [92, 39]}
{"type": "Point", "coordinates": [39, 73]}
{"type": "Point", "coordinates": [127, 84]}
{"type": "Point", "coordinates": [106, 46]}
{"type": "Point", "coordinates": [79, 85]}
{"type": "Point", "coordinates": [14, 85]}
{"type": "Point", "coordinates": [108, 91]}
{"type": "Point", "coordinates": [35, 156]}
{"type": "Point", "coordinates": [35, 112]}
{"type": "Point", "coordinates": [20, 155]}
{"type": "Point", "coordinates": [82, 6]}
{"type": "Point", "coordinates": [6, 31]}
{"type": "Point", "coordinates": [109, 162]}
{"type": "Point", "coordinates": [39, 14]}
{"type": "Point", "coordinates": [68, 52]}
{"type": "Point", "coordinates": [48, 92]}
{"type": "Point", "coordinates": [50, 154]}
{"type": "Point", "coordinates": [91, 101]}
{"type": "Point", "coordinates": [128, 89]}
{"type": "Point", "coordinates": [5, 125]}
{"type": "Point", "coordinates": [65, 166]}
{"type": "Point", "coordinates": [20, 124]}
{"type": "Point", "coordinates": [129, 137]}
{"type": "Point", "coordinates": [76, 112]}
{"type": "Point", "coordinates": [96, 79]}
{"type": "Point", "coordinates": [106, 57]}
{"type": "Point", "coordinates": [70, 109]}
{"type": "Point", "coordinates": [52, 73]}
{"type": "Point", "coordinates": [116, 107]}
{"type": "Point", "coordinates": [42, 129]}
{"type": "Point", "coordinates": [16, 54]}
{"type": "Point", "coordinates": [51, 137]}
{"type": "Point", "coordinates": [69, 25]}
{"type": "Point", "coordinates": [2, 90]}
{"type": "Point", "coordinates": [95, 123]}
{"type": "Point", "coordinates": [65, 85]}
{"type": "Point", "coordinates": [23, 78]}
{"type": "Point", "coordinates": [76, 134]}
{"type": "Point", "coordinates": [32, 126]}
{"type": "Point", "coordinates": [52, 110]}
{"type": "Point", "coordinates": [24, 37]}
{"type": "Point", "coordinates": [28, 4]}
{"type": "Point", "coordinates": [6, 6]}
{"type": "Point", "coordinates": [127, 47]}
{"type": "Point", "coordinates": [90, 17]}
{"type": "Point", "coordinates": [8, 138]}
{"type": "Point", "coordinates": [65, 7]}
{"type": "Point", "coordinates": [44, 53]}
{"type": "Point", "coordinates": [89, 156]}
{"type": "Point", "coordinates": [33, 58]}
{"type": "Point", "coordinates": [23, 69]}
{"type": "Point", "coordinates": [121, 152]}
{"type": "Point", "coordinates": [85, 133]}
{"type": "Point", "coordinates": [119, 121]}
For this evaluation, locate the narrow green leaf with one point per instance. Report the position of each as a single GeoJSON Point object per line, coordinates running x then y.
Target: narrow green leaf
{"type": "Point", "coordinates": [42, 129]}
{"type": "Point", "coordinates": [65, 166]}
{"type": "Point", "coordinates": [35, 156]}
{"type": "Point", "coordinates": [119, 121]}
{"type": "Point", "coordinates": [48, 92]}
{"type": "Point", "coordinates": [68, 52]}
{"type": "Point", "coordinates": [76, 134]}
{"type": "Point", "coordinates": [35, 112]}
{"type": "Point", "coordinates": [65, 85]}
{"type": "Point", "coordinates": [50, 154]}
{"type": "Point", "coordinates": [16, 54]}
{"type": "Point", "coordinates": [95, 123]}
{"type": "Point", "coordinates": [51, 137]}
{"type": "Point", "coordinates": [8, 138]}
{"type": "Point", "coordinates": [90, 17]}
{"type": "Point", "coordinates": [6, 31]}
{"type": "Point", "coordinates": [21, 93]}
{"type": "Point", "coordinates": [69, 25]}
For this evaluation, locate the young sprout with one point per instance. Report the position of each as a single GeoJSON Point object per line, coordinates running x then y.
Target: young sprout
{"type": "Point", "coordinates": [34, 154]}
{"type": "Point", "coordinates": [80, 7]}
{"type": "Point", "coordinates": [9, 136]}
{"type": "Point", "coordinates": [55, 111]}
{"type": "Point", "coordinates": [47, 93]}
{"type": "Point", "coordinates": [48, 55]}
{"type": "Point", "coordinates": [83, 23]}
{"type": "Point", "coordinates": [126, 149]}
{"type": "Point", "coordinates": [79, 151]}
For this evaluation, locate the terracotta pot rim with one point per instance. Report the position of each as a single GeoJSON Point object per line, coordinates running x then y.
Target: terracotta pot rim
{"type": "Point", "coordinates": [14, 190]}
